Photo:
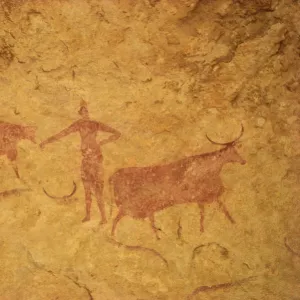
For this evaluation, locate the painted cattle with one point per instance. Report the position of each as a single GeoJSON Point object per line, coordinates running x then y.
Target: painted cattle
{"type": "Point", "coordinates": [10, 135]}
{"type": "Point", "coordinates": [140, 192]}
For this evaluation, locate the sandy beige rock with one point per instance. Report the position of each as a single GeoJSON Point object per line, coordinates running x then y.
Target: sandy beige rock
{"type": "Point", "coordinates": [163, 73]}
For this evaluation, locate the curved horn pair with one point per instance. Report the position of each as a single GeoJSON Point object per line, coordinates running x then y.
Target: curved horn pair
{"type": "Point", "coordinates": [63, 197]}
{"type": "Point", "coordinates": [228, 143]}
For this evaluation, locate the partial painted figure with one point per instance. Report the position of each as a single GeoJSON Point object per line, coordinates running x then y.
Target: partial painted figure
{"type": "Point", "coordinates": [141, 191]}
{"type": "Point", "coordinates": [10, 135]}
{"type": "Point", "coordinates": [91, 168]}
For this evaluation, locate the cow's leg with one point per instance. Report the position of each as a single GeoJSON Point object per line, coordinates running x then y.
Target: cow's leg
{"type": "Point", "coordinates": [119, 216]}
{"type": "Point", "coordinates": [155, 229]}
{"type": "Point", "coordinates": [15, 167]}
{"type": "Point", "coordinates": [12, 156]}
{"type": "Point", "coordinates": [225, 211]}
{"type": "Point", "coordinates": [201, 207]}
{"type": "Point", "coordinates": [88, 200]}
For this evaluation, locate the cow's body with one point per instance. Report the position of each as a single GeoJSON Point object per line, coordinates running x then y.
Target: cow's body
{"type": "Point", "coordinates": [142, 191]}
{"type": "Point", "coordinates": [145, 190]}
{"type": "Point", "coordinates": [10, 135]}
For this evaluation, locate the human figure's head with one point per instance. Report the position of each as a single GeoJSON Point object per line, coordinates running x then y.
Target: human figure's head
{"type": "Point", "coordinates": [83, 110]}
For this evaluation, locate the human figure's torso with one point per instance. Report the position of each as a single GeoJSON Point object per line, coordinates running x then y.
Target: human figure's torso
{"type": "Point", "coordinates": [88, 133]}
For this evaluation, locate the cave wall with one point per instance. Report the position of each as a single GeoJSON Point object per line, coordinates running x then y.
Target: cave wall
{"type": "Point", "coordinates": [163, 73]}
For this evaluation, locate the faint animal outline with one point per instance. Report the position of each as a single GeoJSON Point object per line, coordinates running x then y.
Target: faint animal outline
{"type": "Point", "coordinates": [10, 135]}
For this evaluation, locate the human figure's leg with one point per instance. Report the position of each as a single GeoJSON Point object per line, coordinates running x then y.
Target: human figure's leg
{"type": "Point", "coordinates": [87, 180]}
{"type": "Point", "coordinates": [97, 179]}
{"type": "Point", "coordinates": [88, 200]}
{"type": "Point", "coordinates": [100, 202]}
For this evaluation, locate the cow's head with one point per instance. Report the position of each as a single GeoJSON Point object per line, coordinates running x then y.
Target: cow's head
{"type": "Point", "coordinates": [230, 153]}
{"type": "Point", "coordinates": [29, 133]}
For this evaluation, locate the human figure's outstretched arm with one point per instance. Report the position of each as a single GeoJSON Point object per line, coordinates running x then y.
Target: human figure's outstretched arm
{"type": "Point", "coordinates": [71, 129]}
{"type": "Point", "coordinates": [105, 128]}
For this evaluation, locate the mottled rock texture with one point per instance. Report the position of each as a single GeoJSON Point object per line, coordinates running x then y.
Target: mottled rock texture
{"type": "Point", "coordinates": [164, 73]}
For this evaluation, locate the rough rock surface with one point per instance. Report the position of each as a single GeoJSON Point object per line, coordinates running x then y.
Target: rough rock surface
{"type": "Point", "coordinates": [163, 73]}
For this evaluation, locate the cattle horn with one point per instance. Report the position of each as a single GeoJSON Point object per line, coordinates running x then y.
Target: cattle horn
{"type": "Point", "coordinates": [228, 143]}
{"type": "Point", "coordinates": [63, 197]}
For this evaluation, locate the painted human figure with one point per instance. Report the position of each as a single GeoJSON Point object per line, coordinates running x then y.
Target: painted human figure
{"type": "Point", "coordinates": [91, 167]}
{"type": "Point", "coordinates": [10, 135]}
